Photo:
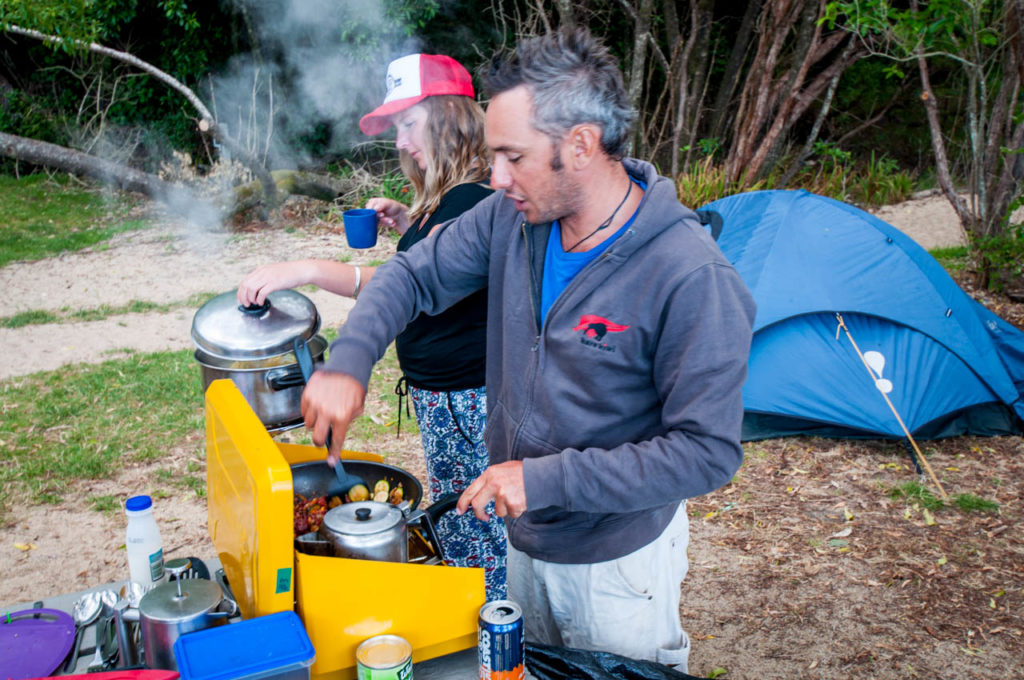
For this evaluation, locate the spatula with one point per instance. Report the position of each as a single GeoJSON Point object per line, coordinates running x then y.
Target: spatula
{"type": "Point", "coordinates": [343, 480]}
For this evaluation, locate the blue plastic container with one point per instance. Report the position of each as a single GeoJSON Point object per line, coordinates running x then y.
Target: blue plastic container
{"type": "Point", "coordinates": [272, 647]}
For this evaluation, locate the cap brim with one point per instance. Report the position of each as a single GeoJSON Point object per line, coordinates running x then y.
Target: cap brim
{"type": "Point", "coordinates": [379, 120]}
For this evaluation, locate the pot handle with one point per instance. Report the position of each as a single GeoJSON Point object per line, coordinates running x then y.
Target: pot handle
{"type": "Point", "coordinates": [422, 519]}
{"type": "Point", "coordinates": [305, 358]}
{"type": "Point", "coordinates": [283, 379]}
{"type": "Point", "coordinates": [229, 602]}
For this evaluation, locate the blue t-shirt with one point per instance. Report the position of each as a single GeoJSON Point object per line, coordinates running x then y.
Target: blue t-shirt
{"type": "Point", "coordinates": [560, 267]}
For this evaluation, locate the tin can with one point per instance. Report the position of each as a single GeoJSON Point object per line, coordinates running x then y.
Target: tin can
{"type": "Point", "coordinates": [384, 657]}
{"type": "Point", "coordinates": [501, 645]}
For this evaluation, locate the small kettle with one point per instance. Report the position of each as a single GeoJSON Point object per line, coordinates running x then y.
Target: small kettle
{"type": "Point", "coordinates": [368, 530]}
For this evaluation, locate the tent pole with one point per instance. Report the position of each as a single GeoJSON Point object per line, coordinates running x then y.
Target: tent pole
{"type": "Point", "coordinates": [920, 456]}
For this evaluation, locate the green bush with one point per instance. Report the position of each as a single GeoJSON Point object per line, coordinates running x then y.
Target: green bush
{"type": "Point", "coordinates": [705, 182]}
{"type": "Point", "coordinates": [882, 182]}
{"type": "Point", "coordinates": [34, 117]}
{"type": "Point", "coordinates": [1001, 257]}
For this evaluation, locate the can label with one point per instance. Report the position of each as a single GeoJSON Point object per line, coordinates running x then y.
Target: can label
{"type": "Point", "coordinates": [501, 644]}
{"type": "Point", "coordinates": [384, 657]}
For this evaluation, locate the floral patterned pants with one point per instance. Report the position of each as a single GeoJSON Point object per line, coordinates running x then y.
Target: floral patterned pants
{"type": "Point", "coordinates": [452, 427]}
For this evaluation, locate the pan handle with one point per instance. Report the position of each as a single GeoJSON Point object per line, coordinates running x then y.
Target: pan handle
{"type": "Point", "coordinates": [442, 505]}
{"type": "Point", "coordinates": [421, 519]}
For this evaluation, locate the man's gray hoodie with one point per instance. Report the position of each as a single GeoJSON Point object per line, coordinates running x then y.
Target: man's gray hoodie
{"type": "Point", "coordinates": [625, 402]}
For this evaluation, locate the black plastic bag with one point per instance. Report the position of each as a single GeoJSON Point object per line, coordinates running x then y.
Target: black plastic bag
{"type": "Point", "coordinates": [559, 663]}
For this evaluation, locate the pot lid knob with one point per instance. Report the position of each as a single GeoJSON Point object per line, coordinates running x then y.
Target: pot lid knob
{"type": "Point", "coordinates": [255, 309]}
{"type": "Point", "coordinates": [176, 568]}
{"type": "Point", "coordinates": [363, 514]}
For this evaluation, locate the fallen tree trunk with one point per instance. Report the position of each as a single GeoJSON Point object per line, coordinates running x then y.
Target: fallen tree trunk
{"type": "Point", "coordinates": [294, 182]}
{"type": "Point", "coordinates": [79, 163]}
{"type": "Point", "coordinates": [180, 199]}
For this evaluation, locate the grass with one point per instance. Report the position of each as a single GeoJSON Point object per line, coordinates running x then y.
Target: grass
{"type": "Point", "coordinates": [42, 216]}
{"type": "Point", "coordinates": [67, 314]}
{"type": "Point", "coordinates": [106, 504]}
{"type": "Point", "coordinates": [84, 421]}
{"type": "Point", "coordinates": [915, 492]}
{"type": "Point", "coordinates": [955, 258]}
{"type": "Point", "coordinates": [968, 502]}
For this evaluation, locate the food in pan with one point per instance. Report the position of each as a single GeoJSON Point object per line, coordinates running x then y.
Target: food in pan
{"type": "Point", "coordinates": [309, 513]}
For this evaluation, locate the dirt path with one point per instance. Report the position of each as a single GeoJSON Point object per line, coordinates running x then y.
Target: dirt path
{"type": "Point", "coordinates": [170, 262]}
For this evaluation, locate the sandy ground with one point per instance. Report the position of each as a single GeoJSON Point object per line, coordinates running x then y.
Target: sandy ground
{"type": "Point", "coordinates": [52, 549]}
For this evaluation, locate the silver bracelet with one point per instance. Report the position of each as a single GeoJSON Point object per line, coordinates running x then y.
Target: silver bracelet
{"type": "Point", "coordinates": [359, 283]}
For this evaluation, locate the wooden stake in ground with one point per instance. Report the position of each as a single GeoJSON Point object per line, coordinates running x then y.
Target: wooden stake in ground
{"type": "Point", "coordinates": [875, 379]}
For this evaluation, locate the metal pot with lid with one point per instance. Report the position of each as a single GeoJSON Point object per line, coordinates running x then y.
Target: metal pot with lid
{"type": "Point", "coordinates": [368, 530]}
{"type": "Point", "coordinates": [255, 348]}
{"type": "Point", "coordinates": [171, 610]}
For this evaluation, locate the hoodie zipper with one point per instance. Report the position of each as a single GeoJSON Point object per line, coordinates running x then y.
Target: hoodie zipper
{"type": "Point", "coordinates": [533, 290]}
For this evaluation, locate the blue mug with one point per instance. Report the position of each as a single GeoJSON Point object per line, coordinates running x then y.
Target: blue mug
{"type": "Point", "coordinates": [360, 227]}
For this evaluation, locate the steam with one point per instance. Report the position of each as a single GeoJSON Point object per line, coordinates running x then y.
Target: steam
{"type": "Point", "coordinates": [317, 66]}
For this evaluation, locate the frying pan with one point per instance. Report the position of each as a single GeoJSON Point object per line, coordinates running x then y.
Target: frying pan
{"type": "Point", "coordinates": [315, 478]}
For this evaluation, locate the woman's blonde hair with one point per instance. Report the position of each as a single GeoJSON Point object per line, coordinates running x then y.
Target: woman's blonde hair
{"type": "Point", "coordinates": [456, 151]}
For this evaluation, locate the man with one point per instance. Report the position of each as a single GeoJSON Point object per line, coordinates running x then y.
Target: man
{"type": "Point", "coordinates": [617, 347]}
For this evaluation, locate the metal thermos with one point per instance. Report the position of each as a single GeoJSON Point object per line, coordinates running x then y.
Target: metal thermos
{"type": "Point", "coordinates": [173, 609]}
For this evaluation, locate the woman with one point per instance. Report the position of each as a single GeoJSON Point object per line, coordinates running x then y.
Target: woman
{"type": "Point", "coordinates": [441, 140]}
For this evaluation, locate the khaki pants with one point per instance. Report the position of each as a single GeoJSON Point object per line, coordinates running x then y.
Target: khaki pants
{"type": "Point", "coordinates": [628, 606]}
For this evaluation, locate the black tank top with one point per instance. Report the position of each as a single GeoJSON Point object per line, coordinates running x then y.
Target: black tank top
{"type": "Point", "coordinates": [446, 352]}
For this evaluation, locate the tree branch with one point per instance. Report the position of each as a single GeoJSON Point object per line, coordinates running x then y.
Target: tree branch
{"type": "Point", "coordinates": [207, 122]}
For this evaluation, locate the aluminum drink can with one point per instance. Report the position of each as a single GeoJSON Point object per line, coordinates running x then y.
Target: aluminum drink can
{"type": "Point", "coordinates": [501, 642]}
{"type": "Point", "coordinates": [384, 657]}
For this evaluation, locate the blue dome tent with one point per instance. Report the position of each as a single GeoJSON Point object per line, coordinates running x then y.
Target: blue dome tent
{"type": "Point", "coordinates": [852, 314]}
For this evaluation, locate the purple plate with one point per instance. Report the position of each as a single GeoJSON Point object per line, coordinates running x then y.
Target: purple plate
{"type": "Point", "coordinates": [34, 642]}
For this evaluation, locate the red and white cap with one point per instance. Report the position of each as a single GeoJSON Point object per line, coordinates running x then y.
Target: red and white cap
{"type": "Point", "coordinates": [410, 80]}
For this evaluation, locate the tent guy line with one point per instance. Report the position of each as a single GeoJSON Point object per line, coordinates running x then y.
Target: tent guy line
{"type": "Point", "coordinates": [878, 379]}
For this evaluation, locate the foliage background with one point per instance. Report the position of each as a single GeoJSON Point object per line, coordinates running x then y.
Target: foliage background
{"type": "Point", "coordinates": [732, 95]}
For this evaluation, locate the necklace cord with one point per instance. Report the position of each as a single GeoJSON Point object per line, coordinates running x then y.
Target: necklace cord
{"type": "Point", "coordinates": [607, 222]}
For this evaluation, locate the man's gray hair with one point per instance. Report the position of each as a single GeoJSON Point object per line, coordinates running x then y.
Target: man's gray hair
{"type": "Point", "coordinates": [573, 79]}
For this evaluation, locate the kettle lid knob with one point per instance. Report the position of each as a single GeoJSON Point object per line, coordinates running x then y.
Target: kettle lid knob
{"type": "Point", "coordinates": [363, 514]}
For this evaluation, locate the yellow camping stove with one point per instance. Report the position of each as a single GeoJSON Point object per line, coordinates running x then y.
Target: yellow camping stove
{"type": "Point", "coordinates": [341, 601]}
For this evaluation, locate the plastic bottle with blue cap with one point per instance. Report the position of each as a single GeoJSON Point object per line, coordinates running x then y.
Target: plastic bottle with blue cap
{"type": "Point", "coordinates": [142, 543]}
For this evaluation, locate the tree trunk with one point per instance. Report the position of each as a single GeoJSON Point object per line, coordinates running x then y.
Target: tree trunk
{"type": "Point", "coordinates": [566, 16]}
{"type": "Point", "coordinates": [805, 152]}
{"type": "Point", "coordinates": [733, 69]}
{"type": "Point", "coordinates": [75, 162]}
{"type": "Point", "coordinates": [759, 87]}
{"type": "Point", "coordinates": [931, 108]}
{"type": "Point", "coordinates": [699, 81]}
{"type": "Point", "coordinates": [641, 37]}
{"type": "Point", "coordinates": [177, 198]}
{"type": "Point", "coordinates": [683, 89]}
{"type": "Point", "coordinates": [779, 88]}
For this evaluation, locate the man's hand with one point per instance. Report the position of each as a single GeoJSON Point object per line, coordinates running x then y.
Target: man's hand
{"type": "Point", "coordinates": [330, 402]}
{"type": "Point", "coordinates": [501, 483]}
